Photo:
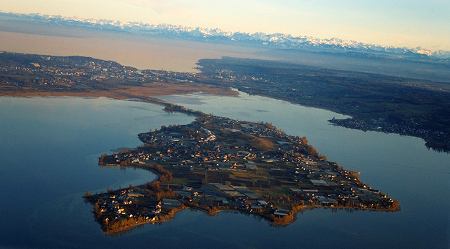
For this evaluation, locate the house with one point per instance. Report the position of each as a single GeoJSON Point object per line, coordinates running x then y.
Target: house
{"type": "Point", "coordinates": [119, 210]}
{"type": "Point", "coordinates": [262, 203]}
{"type": "Point", "coordinates": [250, 165]}
{"type": "Point", "coordinates": [134, 194]}
{"type": "Point", "coordinates": [281, 212]}
{"type": "Point", "coordinates": [187, 188]}
{"type": "Point", "coordinates": [170, 203]}
{"type": "Point", "coordinates": [325, 201]}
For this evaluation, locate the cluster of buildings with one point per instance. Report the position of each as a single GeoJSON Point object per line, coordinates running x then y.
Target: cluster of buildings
{"type": "Point", "coordinates": [197, 146]}
{"type": "Point", "coordinates": [219, 163]}
{"type": "Point", "coordinates": [410, 127]}
{"type": "Point", "coordinates": [68, 72]}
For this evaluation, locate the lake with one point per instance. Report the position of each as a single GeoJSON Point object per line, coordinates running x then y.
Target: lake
{"type": "Point", "coordinates": [153, 52]}
{"type": "Point", "coordinates": [50, 149]}
{"type": "Point", "coordinates": [142, 52]}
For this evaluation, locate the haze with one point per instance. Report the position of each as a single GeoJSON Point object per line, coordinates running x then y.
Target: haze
{"type": "Point", "coordinates": [401, 23]}
{"type": "Point", "coordinates": [130, 50]}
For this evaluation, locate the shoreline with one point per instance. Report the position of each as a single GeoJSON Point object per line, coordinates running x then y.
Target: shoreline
{"type": "Point", "coordinates": [294, 218]}
{"type": "Point", "coordinates": [131, 227]}
{"type": "Point", "coordinates": [138, 94]}
{"type": "Point", "coordinates": [146, 91]}
{"type": "Point", "coordinates": [308, 180]}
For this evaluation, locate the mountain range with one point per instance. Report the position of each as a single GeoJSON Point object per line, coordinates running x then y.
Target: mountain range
{"type": "Point", "coordinates": [276, 40]}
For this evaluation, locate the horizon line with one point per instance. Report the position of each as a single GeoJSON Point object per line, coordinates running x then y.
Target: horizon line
{"type": "Point", "coordinates": [428, 52]}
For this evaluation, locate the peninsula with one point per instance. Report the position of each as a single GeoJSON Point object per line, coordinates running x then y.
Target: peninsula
{"type": "Point", "coordinates": [375, 102]}
{"type": "Point", "coordinates": [216, 164]}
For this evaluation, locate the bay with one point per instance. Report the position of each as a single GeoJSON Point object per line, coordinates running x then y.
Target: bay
{"type": "Point", "coordinates": [50, 147]}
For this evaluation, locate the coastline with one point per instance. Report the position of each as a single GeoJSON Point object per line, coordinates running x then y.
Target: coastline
{"type": "Point", "coordinates": [292, 217]}
{"type": "Point", "coordinates": [215, 173]}
{"type": "Point", "coordinates": [146, 91]}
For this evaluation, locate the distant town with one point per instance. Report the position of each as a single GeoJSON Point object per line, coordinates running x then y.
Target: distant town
{"type": "Point", "coordinates": [216, 164]}
{"type": "Point", "coordinates": [375, 102]}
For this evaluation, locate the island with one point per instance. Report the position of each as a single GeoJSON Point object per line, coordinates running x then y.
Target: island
{"type": "Point", "coordinates": [219, 164]}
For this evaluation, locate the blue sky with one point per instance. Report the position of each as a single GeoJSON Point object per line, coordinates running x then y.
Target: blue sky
{"type": "Point", "coordinates": [401, 23]}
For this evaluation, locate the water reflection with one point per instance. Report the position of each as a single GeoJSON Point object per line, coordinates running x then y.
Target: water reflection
{"type": "Point", "coordinates": [49, 159]}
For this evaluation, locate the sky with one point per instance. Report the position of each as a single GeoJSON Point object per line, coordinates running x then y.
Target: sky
{"type": "Point", "coordinates": [399, 23]}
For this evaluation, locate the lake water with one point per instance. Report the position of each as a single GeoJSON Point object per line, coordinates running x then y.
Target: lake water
{"type": "Point", "coordinates": [142, 52]}
{"type": "Point", "coordinates": [50, 147]}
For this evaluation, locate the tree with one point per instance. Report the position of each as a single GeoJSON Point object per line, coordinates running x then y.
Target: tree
{"type": "Point", "coordinates": [97, 209]}
{"type": "Point", "coordinates": [395, 205]}
{"type": "Point", "coordinates": [304, 141]}
{"type": "Point", "coordinates": [101, 158]}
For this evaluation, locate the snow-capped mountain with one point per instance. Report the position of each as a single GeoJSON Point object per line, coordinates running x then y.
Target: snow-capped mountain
{"type": "Point", "coordinates": [276, 40]}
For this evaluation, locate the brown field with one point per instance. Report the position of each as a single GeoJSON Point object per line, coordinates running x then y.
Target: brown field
{"type": "Point", "coordinates": [143, 92]}
{"type": "Point", "coordinates": [261, 143]}
{"type": "Point", "coordinates": [158, 88]}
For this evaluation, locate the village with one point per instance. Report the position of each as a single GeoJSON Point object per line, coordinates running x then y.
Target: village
{"type": "Point", "coordinates": [217, 163]}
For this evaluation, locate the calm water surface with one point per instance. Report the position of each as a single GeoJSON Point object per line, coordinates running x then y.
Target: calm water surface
{"type": "Point", "coordinates": [142, 52]}
{"type": "Point", "coordinates": [49, 150]}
